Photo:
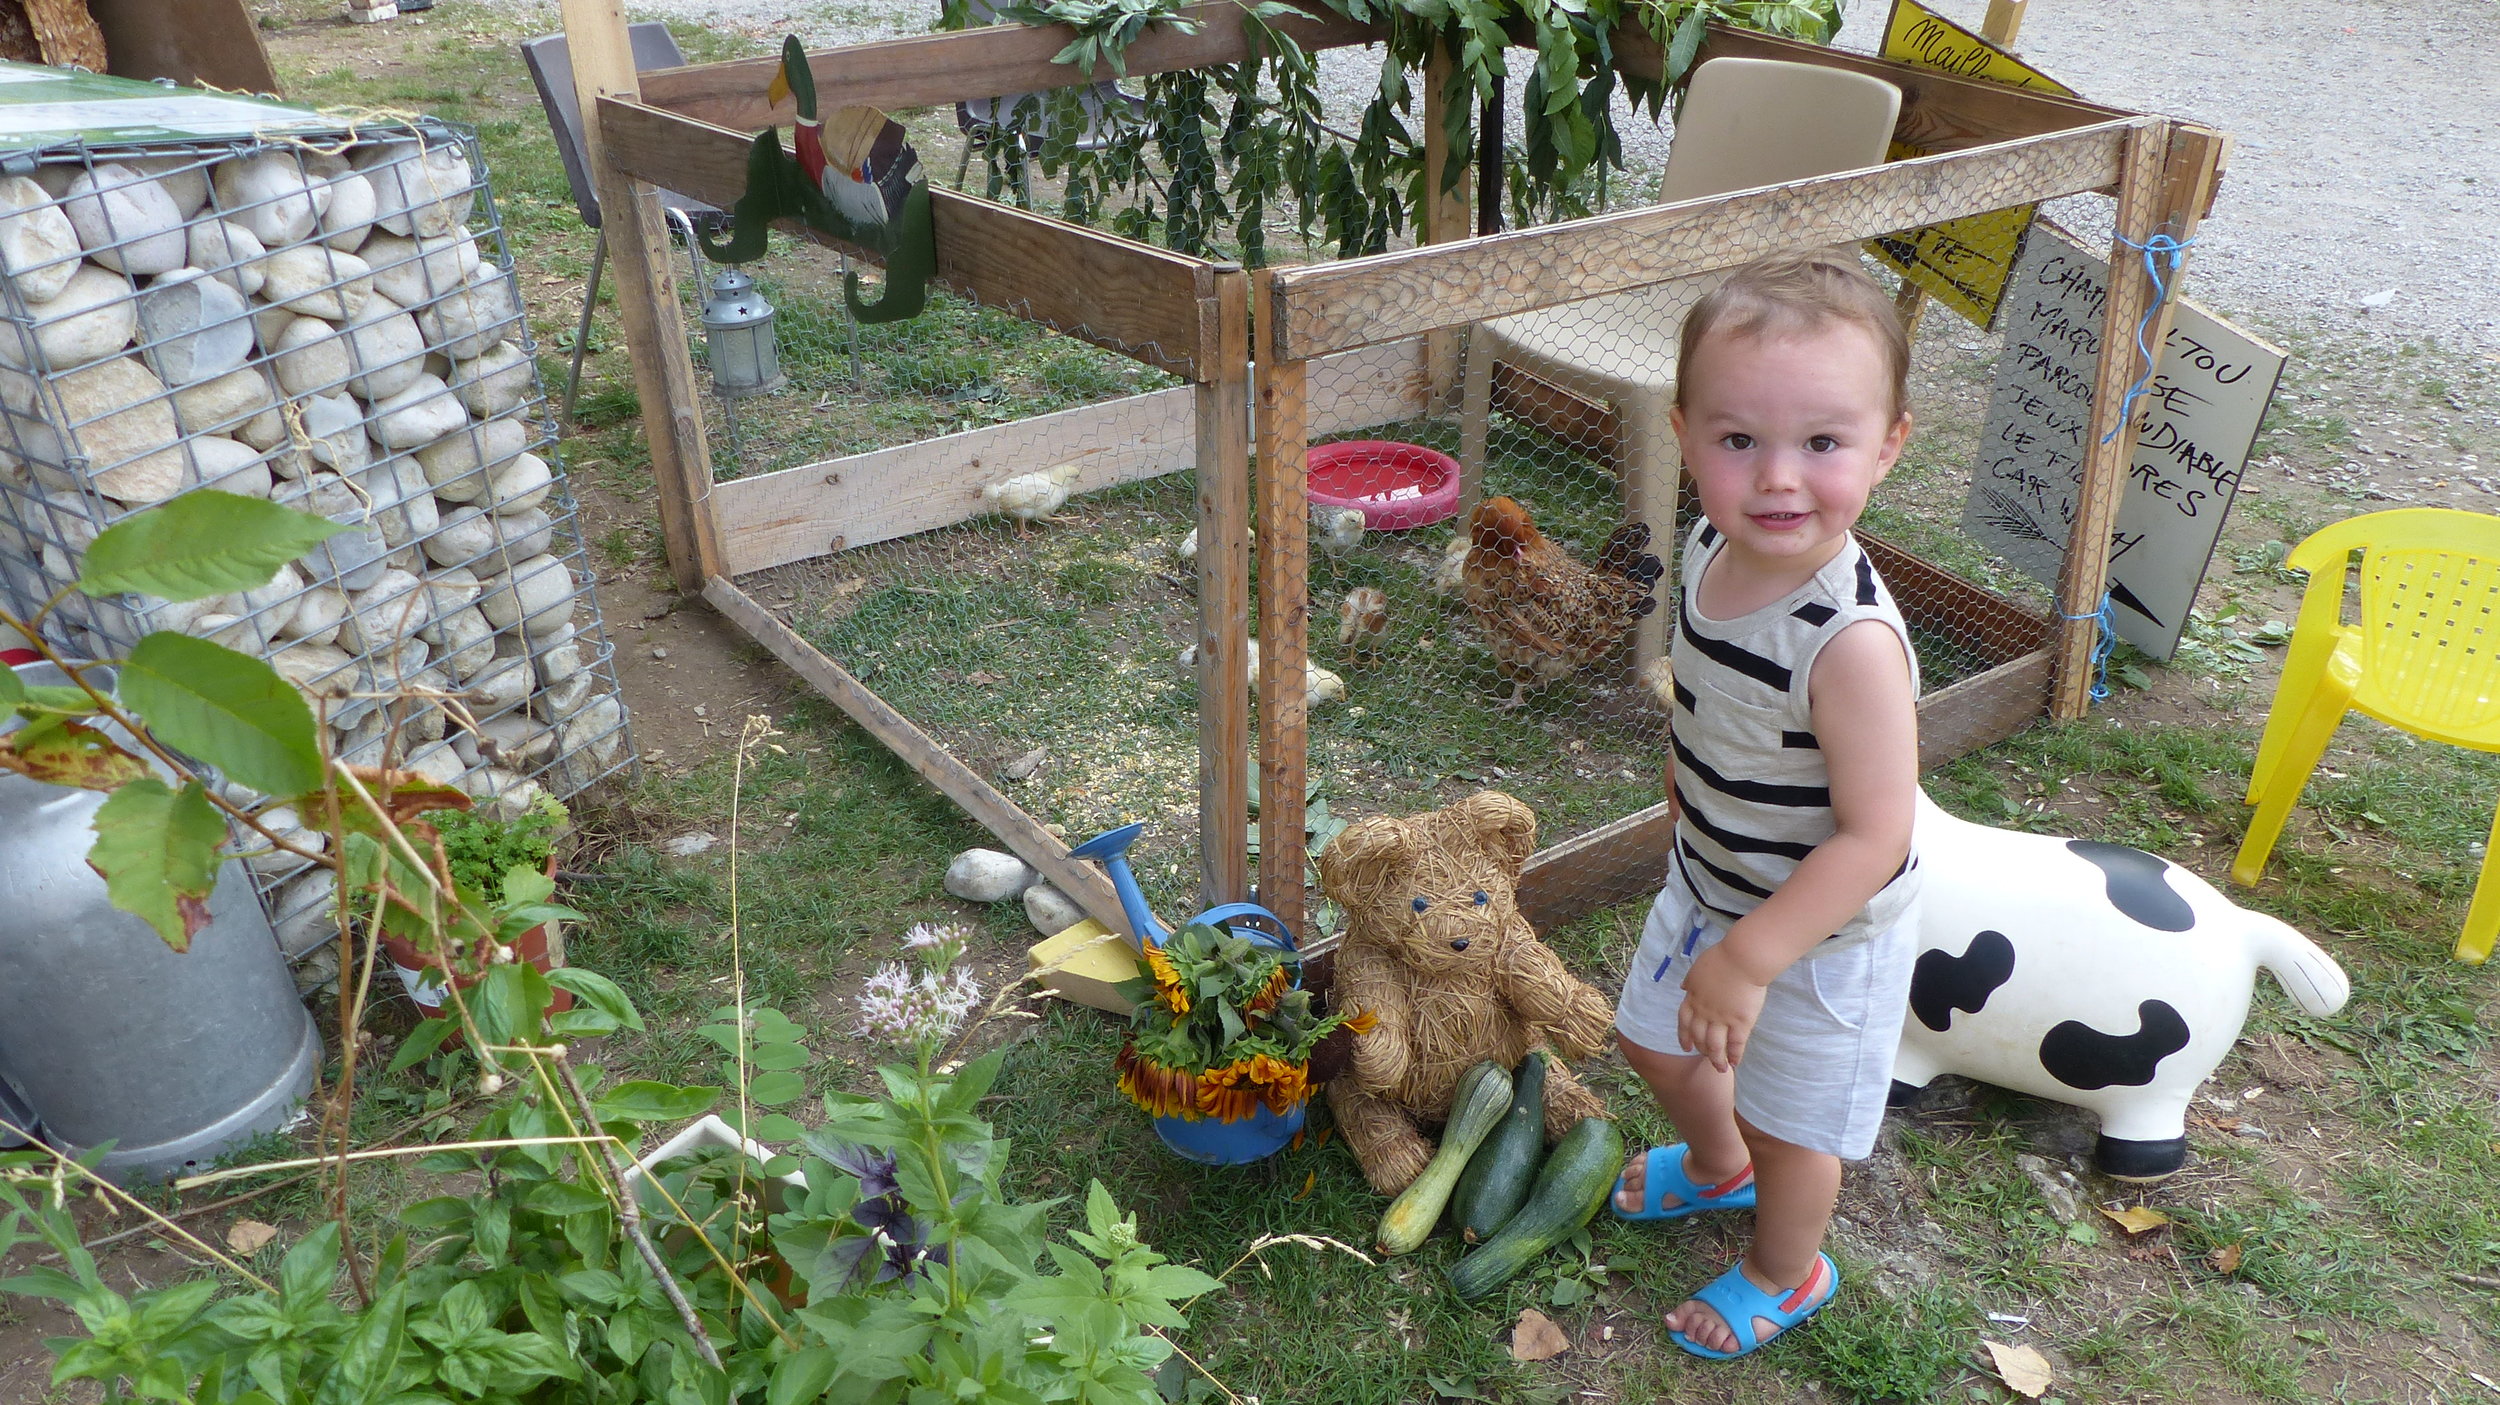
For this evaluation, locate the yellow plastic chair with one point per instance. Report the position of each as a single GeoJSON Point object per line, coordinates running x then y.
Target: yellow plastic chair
{"type": "Point", "coordinates": [2423, 655]}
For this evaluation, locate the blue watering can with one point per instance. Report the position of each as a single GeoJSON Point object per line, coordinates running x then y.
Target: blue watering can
{"type": "Point", "coordinates": [1201, 1139]}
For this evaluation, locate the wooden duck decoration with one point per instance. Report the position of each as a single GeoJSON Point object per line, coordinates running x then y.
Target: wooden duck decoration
{"type": "Point", "coordinates": [853, 177]}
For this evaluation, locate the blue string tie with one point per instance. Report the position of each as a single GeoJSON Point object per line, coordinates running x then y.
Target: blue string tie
{"type": "Point", "coordinates": [2159, 249]}
{"type": "Point", "coordinates": [2104, 643]}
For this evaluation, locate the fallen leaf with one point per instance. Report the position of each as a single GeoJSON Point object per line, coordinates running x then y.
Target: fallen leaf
{"type": "Point", "coordinates": [2137, 1219]}
{"type": "Point", "coordinates": [1536, 1338]}
{"type": "Point", "coordinates": [1023, 767]}
{"type": "Point", "coordinates": [246, 1236]}
{"type": "Point", "coordinates": [2022, 1368]}
{"type": "Point", "coordinates": [984, 677]}
{"type": "Point", "coordinates": [2227, 1258]}
{"type": "Point", "coordinates": [1307, 1182]}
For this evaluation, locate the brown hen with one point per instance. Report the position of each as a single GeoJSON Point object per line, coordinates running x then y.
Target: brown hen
{"type": "Point", "coordinates": [1547, 615]}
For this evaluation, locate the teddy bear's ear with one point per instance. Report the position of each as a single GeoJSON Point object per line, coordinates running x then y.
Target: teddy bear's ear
{"type": "Point", "coordinates": [1361, 862]}
{"type": "Point", "coordinates": [1504, 828]}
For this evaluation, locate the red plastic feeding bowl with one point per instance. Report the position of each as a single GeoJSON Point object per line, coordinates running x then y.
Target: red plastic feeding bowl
{"type": "Point", "coordinates": [1396, 485]}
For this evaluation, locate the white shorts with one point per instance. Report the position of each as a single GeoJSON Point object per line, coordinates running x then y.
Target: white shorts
{"type": "Point", "coordinates": [1818, 1066]}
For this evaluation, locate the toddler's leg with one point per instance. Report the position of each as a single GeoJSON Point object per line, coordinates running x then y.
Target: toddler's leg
{"type": "Point", "coordinates": [1701, 1102]}
{"type": "Point", "coordinates": [1795, 1190]}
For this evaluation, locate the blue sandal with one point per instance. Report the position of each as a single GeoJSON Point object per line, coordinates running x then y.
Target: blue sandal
{"type": "Point", "coordinates": [1662, 1175]}
{"type": "Point", "coordinates": [1738, 1302]}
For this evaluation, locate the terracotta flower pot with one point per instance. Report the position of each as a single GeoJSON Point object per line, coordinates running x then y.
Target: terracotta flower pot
{"type": "Point", "coordinates": [428, 990]}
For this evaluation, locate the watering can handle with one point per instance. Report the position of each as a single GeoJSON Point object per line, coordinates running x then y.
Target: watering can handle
{"type": "Point", "coordinates": [1249, 914]}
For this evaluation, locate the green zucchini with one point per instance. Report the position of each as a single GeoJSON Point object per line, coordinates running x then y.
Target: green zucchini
{"type": "Point", "coordinates": [1476, 1107]}
{"type": "Point", "coordinates": [1576, 1180]}
{"type": "Point", "coordinates": [1498, 1175]}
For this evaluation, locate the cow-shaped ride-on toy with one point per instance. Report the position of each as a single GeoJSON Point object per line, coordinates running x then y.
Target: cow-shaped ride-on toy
{"type": "Point", "coordinates": [2091, 974]}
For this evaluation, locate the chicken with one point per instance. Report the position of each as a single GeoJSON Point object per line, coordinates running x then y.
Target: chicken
{"type": "Point", "coordinates": [1029, 497]}
{"type": "Point", "coordinates": [1362, 619]}
{"type": "Point", "coordinates": [1320, 686]}
{"type": "Point", "coordinates": [1547, 615]}
{"type": "Point", "coordinates": [1447, 571]}
{"type": "Point", "coordinates": [1337, 530]}
{"type": "Point", "coordinates": [1658, 676]}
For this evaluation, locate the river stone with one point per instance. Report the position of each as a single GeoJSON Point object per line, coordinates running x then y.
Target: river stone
{"type": "Point", "coordinates": [417, 192]}
{"type": "Point", "coordinates": [228, 465]}
{"type": "Point", "coordinates": [390, 607]}
{"type": "Point", "coordinates": [133, 449]}
{"type": "Point", "coordinates": [588, 743]}
{"type": "Point", "coordinates": [538, 595]}
{"type": "Point", "coordinates": [422, 716]}
{"type": "Point", "coordinates": [516, 740]}
{"type": "Point", "coordinates": [232, 631]}
{"type": "Point", "coordinates": [421, 414]}
{"type": "Point", "coordinates": [357, 557]}
{"type": "Point", "coordinates": [282, 821]}
{"type": "Point", "coordinates": [228, 404]}
{"type": "Point", "coordinates": [558, 655]}
{"type": "Point", "coordinates": [452, 462]}
{"type": "Point", "coordinates": [403, 503]}
{"type": "Point", "coordinates": [231, 254]}
{"type": "Point", "coordinates": [38, 246]}
{"type": "Point", "coordinates": [414, 272]}
{"type": "Point", "coordinates": [1051, 911]}
{"type": "Point", "coordinates": [310, 358]}
{"type": "Point", "coordinates": [389, 352]}
{"type": "Point", "coordinates": [453, 588]}
{"type": "Point", "coordinates": [509, 795]}
{"type": "Point", "coordinates": [318, 615]}
{"type": "Point", "coordinates": [270, 608]}
{"type": "Point", "coordinates": [180, 616]}
{"type": "Point", "coordinates": [184, 179]}
{"type": "Point", "coordinates": [465, 536]}
{"type": "Point", "coordinates": [126, 221]}
{"type": "Point", "coordinates": [195, 327]}
{"type": "Point", "coordinates": [316, 281]}
{"type": "Point", "coordinates": [306, 911]}
{"type": "Point", "coordinates": [463, 323]}
{"type": "Point", "coordinates": [437, 763]}
{"type": "Point", "coordinates": [269, 194]}
{"type": "Point", "coordinates": [988, 876]}
{"type": "Point", "coordinates": [522, 535]}
{"type": "Point", "coordinates": [349, 218]}
{"type": "Point", "coordinates": [318, 669]}
{"type": "Point", "coordinates": [495, 383]}
{"type": "Point", "coordinates": [467, 642]}
{"type": "Point", "coordinates": [564, 699]}
{"type": "Point", "coordinates": [502, 684]}
{"type": "Point", "coordinates": [92, 317]}
{"type": "Point", "coordinates": [520, 483]}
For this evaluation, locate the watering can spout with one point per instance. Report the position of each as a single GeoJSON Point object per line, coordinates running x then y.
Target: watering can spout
{"type": "Point", "coordinates": [1110, 849]}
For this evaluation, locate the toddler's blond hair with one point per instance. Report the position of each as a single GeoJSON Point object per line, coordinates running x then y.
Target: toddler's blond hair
{"type": "Point", "coordinates": [1783, 294]}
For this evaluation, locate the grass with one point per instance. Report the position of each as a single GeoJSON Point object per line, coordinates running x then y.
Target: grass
{"type": "Point", "coordinates": [1062, 642]}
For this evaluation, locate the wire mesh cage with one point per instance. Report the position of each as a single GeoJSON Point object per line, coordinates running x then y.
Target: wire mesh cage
{"type": "Point", "coordinates": [329, 321]}
{"type": "Point", "coordinates": [1014, 596]}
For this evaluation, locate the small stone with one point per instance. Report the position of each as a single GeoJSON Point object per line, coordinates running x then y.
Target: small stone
{"type": "Point", "coordinates": [1050, 911]}
{"type": "Point", "coordinates": [464, 323]}
{"type": "Point", "coordinates": [126, 222]}
{"type": "Point", "coordinates": [38, 247]}
{"type": "Point", "coordinates": [686, 846]}
{"type": "Point", "coordinates": [131, 440]}
{"type": "Point", "coordinates": [269, 194]}
{"type": "Point", "coordinates": [194, 328]}
{"type": "Point", "coordinates": [495, 383]}
{"type": "Point", "coordinates": [2379, 299]}
{"type": "Point", "coordinates": [1023, 767]}
{"type": "Point", "coordinates": [421, 414]}
{"type": "Point", "coordinates": [91, 317]}
{"type": "Point", "coordinates": [988, 876]}
{"type": "Point", "coordinates": [387, 348]}
{"type": "Point", "coordinates": [419, 192]}
{"type": "Point", "coordinates": [229, 252]}
{"type": "Point", "coordinates": [348, 219]}
{"type": "Point", "coordinates": [659, 653]}
{"type": "Point", "coordinates": [314, 280]}
{"type": "Point", "coordinates": [414, 272]}
{"type": "Point", "coordinates": [538, 597]}
{"type": "Point", "coordinates": [305, 912]}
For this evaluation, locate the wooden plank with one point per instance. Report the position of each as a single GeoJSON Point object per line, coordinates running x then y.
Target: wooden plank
{"type": "Point", "coordinates": [646, 299]}
{"type": "Point", "coordinates": [1284, 628]}
{"type": "Point", "coordinates": [1223, 459]}
{"type": "Point", "coordinates": [1939, 111]}
{"type": "Point", "coordinates": [931, 69]}
{"type": "Point", "coordinates": [1330, 307]}
{"type": "Point", "coordinates": [863, 499]}
{"type": "Point", "coordinates": [1628, 859]}
{"type": "Point", "coordinates": [1929, 594]}
{"type": "Point", "coordinates": [1149, 303]}
{"type": "Point", "coordinates": [197, 43]}
{"type": "Point", "coordinates": [1081, 881]}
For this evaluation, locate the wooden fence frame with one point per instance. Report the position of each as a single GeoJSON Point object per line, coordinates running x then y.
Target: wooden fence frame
{"type": "Point", "coordinates": [1398, 317]}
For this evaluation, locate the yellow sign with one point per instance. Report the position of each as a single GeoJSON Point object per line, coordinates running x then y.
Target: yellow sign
{"type": "Point", "coordinates": [1962, 263]}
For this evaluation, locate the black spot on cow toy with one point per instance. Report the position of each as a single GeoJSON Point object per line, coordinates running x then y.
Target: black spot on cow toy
{"type": "Point", "coordinates": [2088, 973]}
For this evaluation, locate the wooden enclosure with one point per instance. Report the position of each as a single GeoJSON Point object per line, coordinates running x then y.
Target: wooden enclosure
{"type": "Point", "coordinates": [1397, 318]}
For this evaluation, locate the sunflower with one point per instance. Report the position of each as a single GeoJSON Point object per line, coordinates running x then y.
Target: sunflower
{"type": "Point", "coordinates": [1227, 1094]}
{"type": "Point", "coordinates": [1169, 991]}
{"type": "Point", "coordinates": [1269, 992]}
{"type": "Point", "coordinates": [1362, 1022]}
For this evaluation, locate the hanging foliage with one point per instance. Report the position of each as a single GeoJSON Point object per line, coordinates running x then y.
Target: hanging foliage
{"type": "Point", "coordinates": [1199, 165]}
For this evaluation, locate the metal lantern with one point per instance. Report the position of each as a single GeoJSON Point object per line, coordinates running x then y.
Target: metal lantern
{"type": "Point", "coordinates": [738, 330]}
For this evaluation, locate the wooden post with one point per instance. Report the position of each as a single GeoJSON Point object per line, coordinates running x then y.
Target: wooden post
{"type": "Point", "coordinates": [1445, 214]}
{"type": "Point", "coordinates": [2004, 21]}
{"type": "Point", "coordinates": [646, 301]}
{"type": "Point", "coordinates": [1284, 615]}
{"type": "Point", "coordinates": [1224, 601]}
{"type": "Point", "coordinates": [2084, 577]}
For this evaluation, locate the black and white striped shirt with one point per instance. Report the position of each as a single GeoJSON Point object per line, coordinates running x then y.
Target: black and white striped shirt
{"type": "Point", "coordinates": [1755, 793]}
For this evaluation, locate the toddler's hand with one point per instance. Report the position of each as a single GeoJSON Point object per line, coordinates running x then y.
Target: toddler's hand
{"type": "Point", "coordinates": [1721, 1004]}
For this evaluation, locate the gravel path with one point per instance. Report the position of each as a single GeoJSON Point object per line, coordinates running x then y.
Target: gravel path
{"type": "Point", "coordinates": [2363, 185]}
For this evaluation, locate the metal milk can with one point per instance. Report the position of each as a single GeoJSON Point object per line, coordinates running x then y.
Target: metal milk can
{"type": "Point", "coordinates": [106, 1033]}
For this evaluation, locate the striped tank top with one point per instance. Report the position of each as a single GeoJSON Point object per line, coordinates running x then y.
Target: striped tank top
{"type": "Point", "coordinates": [1749, 774]}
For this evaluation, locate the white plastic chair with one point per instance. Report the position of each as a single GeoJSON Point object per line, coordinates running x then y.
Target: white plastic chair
{"type": "Point", "coordinates": [1745, 123]}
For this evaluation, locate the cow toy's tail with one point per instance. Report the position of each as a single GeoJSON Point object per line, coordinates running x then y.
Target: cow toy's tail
{"type": "Point", "coordinates": [2304, 970]}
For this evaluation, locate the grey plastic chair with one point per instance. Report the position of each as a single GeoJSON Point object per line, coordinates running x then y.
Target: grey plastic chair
{"type": "Point", "coordinates": [550, 62]}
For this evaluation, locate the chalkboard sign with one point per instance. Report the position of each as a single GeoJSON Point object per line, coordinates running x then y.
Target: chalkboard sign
{"type": "Point", "coordinates": [1962, 263]}
{"type": "Point", "coordinates": [2194, 423]}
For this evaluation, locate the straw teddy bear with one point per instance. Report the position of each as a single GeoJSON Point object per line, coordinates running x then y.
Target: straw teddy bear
{"type": "Point", "coordinates": [1436, 951]}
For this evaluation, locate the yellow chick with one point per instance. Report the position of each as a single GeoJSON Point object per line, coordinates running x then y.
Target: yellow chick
{"type": "Point", "coordinates": [1319, 685]}
{"type": "Point", "coordinates": [1337, 530]}
{"type": "Point", "coordinates": [1658, 676]}
{"type": "Point", "coordinates": [1448, 577]}
{"type": "Point", "coordinates": [1362, 620]}
{"type": "Point", "coordinates": [1029, 497]}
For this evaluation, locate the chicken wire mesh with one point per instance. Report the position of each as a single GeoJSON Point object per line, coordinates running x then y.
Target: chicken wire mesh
{"type": "Point", "coordinates": [329, 322]}
{"type": "Point", "coordinates": [1046, 653]}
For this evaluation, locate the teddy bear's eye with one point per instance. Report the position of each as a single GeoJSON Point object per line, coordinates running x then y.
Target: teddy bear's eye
{"type": "Point", "coordinates": [1422, 903]}
{"type": "Point", "coordinates": [1483, 897]}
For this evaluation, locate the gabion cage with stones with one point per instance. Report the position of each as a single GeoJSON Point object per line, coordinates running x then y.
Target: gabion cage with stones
{"type": "Point", "coordinates": [330, 322]}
